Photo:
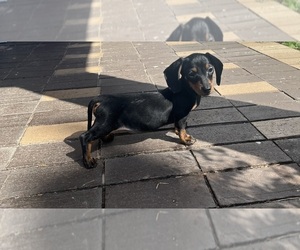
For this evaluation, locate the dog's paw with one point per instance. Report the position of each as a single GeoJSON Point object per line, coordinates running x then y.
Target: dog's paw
{"type": "Point", "coordinates": [185, 138]}
{"type": "Point", "coordinates": [92, 163]}
{"type": "Point", "coordinates": [188, 140]}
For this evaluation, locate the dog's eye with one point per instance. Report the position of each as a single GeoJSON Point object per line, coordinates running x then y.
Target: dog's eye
{"type": "Point", "coordinates": [210, 70]}
{"type": "Point", "coordinates": [192, 74]}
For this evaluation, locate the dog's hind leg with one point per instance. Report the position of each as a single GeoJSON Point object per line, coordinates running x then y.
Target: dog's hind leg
{"type": "Point", "coordinates": [87, 138]}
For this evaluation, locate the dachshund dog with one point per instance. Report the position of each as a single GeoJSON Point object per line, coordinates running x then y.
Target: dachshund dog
{"type": "Point", "coordinates": [187, 78]}
{"type": "Point", "coordinates": [197, 29]}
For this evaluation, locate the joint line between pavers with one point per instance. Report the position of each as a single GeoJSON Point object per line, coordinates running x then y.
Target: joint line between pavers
{"type": "Point", "coordinates": [211, 191]}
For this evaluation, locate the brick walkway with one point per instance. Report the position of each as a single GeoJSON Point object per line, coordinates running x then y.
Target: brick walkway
{"type": "Point", "coordinates": [247, 132]}
{"type": "Point", "coordinates": [132, 20]}
{"type": "Point", "coordinates": [248, 137]}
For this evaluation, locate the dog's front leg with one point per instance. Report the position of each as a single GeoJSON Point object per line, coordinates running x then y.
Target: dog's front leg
{"type": "Point", "coordinates": [180, 130]}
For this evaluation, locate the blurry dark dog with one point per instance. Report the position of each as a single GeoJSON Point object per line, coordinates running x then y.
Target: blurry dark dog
{"type": "Point", "coordinates": [187, 78]}
{"type": "Point", "coordinates": [197, 29]}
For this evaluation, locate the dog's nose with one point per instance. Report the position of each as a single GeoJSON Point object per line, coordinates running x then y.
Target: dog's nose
{"type": "Point", "coordinates": [206, 91]}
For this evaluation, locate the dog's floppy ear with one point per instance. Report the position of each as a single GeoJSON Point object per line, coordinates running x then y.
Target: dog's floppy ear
{"type": "Point", "coordinates": [218, 66]}
{"type": "Point", "coordinates": [172, 75]}
{"type": "Point", "coordinates": [214, 29]}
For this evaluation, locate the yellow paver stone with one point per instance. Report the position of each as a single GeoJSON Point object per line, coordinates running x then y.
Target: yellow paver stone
{"type": "Point", "coordinates": [52, 133]}
{"type": "Point", "coordinates": [246, 88]}
{"type": "Point", "coordinates": [230, 66]}
{"type": "Point", "coordinates": [80, 56]}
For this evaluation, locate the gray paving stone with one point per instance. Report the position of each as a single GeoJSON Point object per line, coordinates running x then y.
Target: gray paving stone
{"type": "Point", "coordinates": [159, 229]}
{"type": "Point", "coordinates": [14, 120]}
{"type": "Point", "coordinates": [34, 85]}
{"type": "Point", "coordinates": [17, 108]}
{"type": "Point", "coordinates": [19, 221]}
{"type": "Point", "coordinates": [69, 83]}
{"type": "Point", "coordinates": [60, 236]}
{"type": "Point", "coordinates": [46, 154]}
{"type": "Point", "coordinates": [279, 128]}
{"type": "Point", "coordinates": [140, 167]}
{"type": "Point", "coordinates": [256, 184]}
{"type": "Point", "coordinates": [239, 155]}
{"type": "Point", "coordinates": [10, 136]}
{"type": "Point", "coordinates": [88, 198]}
{"type": "Point", "coordinates": [225, 133]}
{"type": "Point", "coordinates": [253, 225]}
{"type": "Point", "coordinates": [6, 154]}
{"type": "Point", "coordinates": [24, 182]}
{"type": "Point", "coordinates": [214, 101]}
{"type": "Point", "coordinates": [130, 144]}
{"type": "Point", "coordinates": [67, 104]}
{"type": "Point", "coordinates": [224, 115]}
{"type": "Point", "coordinates": [59, 116]}
{"type": "Point", "coordinates": [280, 77]}
{"type": "Point", "coordinates": [16, 94]}
{"type": "Point", "coordinates": [29, 73]}
{"type": "Point", "coordinates": [266, 99]}
{"type": "Point", "coordinates": [3, 177]}
{"type": "Point", "coordinates": [286, 241]}
{"type": "Point", "coordinates": [279, 110]}
{"type": "Point", "coordinates": [291, 147]}
{"type": "Point", "coordinates": [179, 192]}
{"type": "Point", "coordinates": [283, 203]}
{"type": "Point", "coordinates": [237, 76]}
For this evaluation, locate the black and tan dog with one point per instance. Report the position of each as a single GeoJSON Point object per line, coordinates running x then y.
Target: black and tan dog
{"type": "Point", "coordinates": [188, 79]}
{"type": "Point", "coordinates": [197, 29]}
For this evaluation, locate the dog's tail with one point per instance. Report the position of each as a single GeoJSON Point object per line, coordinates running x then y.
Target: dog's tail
{"type": "Point", "coordinates": [91, 108]}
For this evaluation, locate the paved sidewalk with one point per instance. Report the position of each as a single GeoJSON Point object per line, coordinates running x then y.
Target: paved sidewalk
{"type": "Point", "coordinates": [143, 20]}
{"type": "Point", "coordinates": [100, 229]}
{"type": "Point", "coordinates": [248, 136]}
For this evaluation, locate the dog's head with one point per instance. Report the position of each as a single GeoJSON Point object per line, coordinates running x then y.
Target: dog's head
{"type": "Point", "coordinates": [196, 70]}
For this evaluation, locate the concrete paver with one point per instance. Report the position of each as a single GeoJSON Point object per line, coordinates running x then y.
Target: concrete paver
{"type": "Point", "coordinates": [256, 184]}
{"type": "Point", "coordinates": [268, 223]}
{"type": "Point", "coordinates": [236, 156]}
{"type": "Point", "coordinates": [141, 167]}
{"type": "Point", "coordinates": [290, 147]}
{"type": "Point", "coordinates": [91, 198]}
{"type": "Point", "coordinates": [195, 225]}
{"type": "Point", "coordinates": [279, 128]}
{"type": "Point", "coordinates": [177, 192]}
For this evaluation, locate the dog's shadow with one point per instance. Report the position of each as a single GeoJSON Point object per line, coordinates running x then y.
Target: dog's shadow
{"type": "Point", "coordinates": [126, 144]}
